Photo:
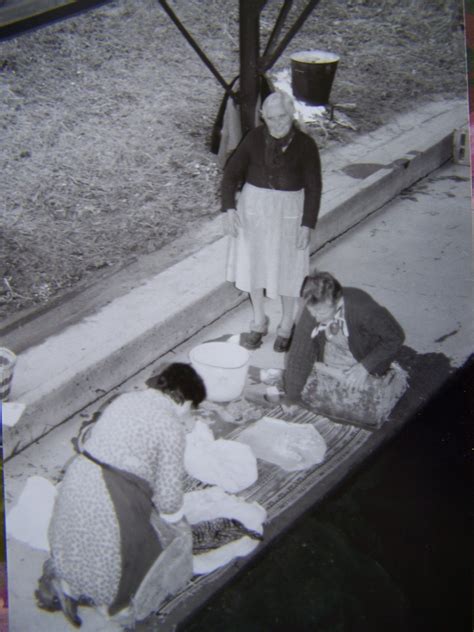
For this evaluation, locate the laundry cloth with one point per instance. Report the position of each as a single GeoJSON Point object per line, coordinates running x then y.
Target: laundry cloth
{"type": "Point", "coordinates": [212, 503]}
{"type": "Point", "coordinates": [229, 464]}
{"type": "Point", "coordinates": [28, 520]}
{"type": "Point", "coordinates": [291, 446]}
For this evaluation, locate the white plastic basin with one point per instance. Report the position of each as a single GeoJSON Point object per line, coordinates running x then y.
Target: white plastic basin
{"type": "Point", "coordinates": [223, 366]}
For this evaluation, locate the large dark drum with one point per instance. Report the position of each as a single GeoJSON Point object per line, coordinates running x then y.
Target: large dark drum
{"type": "Point", "coordinates": [312, 75]}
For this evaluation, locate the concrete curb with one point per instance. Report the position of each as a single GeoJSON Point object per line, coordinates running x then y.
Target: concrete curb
{"type": "Point", "coordinates": [76, 366]}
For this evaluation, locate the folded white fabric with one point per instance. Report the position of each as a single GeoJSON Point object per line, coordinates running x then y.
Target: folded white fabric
{"type": "Point", "coordinates": [11, 412]}
{"type": "Point", "coordinates": [28, 520]}
{"type": "Point", "coordinates": [229, 464]}
{"type": "Point", "coordinates": [291, 446]}
{"type": "Point", "coordinates": [212, 503]}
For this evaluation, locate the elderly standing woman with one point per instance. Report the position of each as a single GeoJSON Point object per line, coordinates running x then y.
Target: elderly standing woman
{"type": "Point", "coordinates": [345, 329]}
{"type": "Point", "coordinates": [276, 168]}
{"type": "Point", "coordinates": [118, 537]}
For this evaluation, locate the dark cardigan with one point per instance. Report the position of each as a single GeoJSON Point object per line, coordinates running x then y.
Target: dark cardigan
{"type": "Point", "coordinates": [374, 339]}
{"type": "Point", "coordinates": [300, 168]}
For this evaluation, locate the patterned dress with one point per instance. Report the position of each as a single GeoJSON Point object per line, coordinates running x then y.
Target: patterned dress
{"type": "Point", "coordinates": [140, 433]}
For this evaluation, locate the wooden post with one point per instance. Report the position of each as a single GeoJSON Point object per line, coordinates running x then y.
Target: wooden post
{"type": "Point", "coordinates": [249, 24]}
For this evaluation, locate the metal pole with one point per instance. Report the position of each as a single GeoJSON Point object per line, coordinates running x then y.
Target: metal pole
{"type": "Point", "coordinates": [271, 58]}
{"type": "Point", "coordinates": [249, 24]}
{"type": "Point", "coordinates": [194, 45]}
{"type": "Point", "coordinates": [284, 11]}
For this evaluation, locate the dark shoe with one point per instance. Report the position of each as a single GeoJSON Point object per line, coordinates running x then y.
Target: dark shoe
{"type": "Point", "coordinates": [281, 344]}
{"type": "Point", "coordinates": [283, 340]}
{"type": "Point", "coordinates": [253, 339]}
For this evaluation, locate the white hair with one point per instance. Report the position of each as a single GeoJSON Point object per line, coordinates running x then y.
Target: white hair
{"type": "Point", "coordinates": [282, 98]}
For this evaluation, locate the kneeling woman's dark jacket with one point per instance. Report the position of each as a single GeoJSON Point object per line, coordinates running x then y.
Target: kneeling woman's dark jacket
{"type": "Point", "coordinates": [374, 340]}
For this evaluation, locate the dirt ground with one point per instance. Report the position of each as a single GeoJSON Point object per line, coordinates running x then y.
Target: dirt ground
{"type": "Point", "coordinates": [106, 121]}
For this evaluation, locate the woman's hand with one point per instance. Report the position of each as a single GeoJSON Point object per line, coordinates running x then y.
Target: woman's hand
{"type": "Point", "coordinates": [304, 236]}
{"type": "Point", "coordinates": [356, 375]}
{"type": "Point", "coordinates": [231, 222]}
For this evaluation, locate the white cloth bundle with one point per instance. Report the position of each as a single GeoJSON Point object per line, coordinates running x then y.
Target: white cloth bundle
{"type": "Point", "coordinates": [291, 446]}
{"type": "Point", "coordinates": [229, 464]}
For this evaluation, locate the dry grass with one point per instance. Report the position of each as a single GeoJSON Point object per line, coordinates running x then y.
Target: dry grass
{"type": "Point", "coordinates": [106, 119]}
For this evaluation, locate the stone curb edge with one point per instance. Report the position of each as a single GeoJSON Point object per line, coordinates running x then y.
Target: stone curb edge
{"type": "Point", "coordinates": [56, 406]}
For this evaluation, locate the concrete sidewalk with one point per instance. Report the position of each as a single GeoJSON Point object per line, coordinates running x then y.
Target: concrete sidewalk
{"type": "Point", "coordinates": [414, 257]}
{"type": "Point", "coordinates": [88, 346]}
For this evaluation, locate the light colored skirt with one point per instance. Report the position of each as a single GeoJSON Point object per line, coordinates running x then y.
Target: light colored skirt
{"type": "Point", "coordinates": [264, 254]}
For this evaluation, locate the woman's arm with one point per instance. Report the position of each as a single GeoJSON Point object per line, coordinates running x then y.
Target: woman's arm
{"type": "Point", "coordinates": [382, 332]}
{"type": "Point", "coordinates": [390, 338]}
{"type": "Point", "coordinates": [234, 174]}
{"type": "Point", "coordinates": [312, 183]}
{"type": "Point", "coordinates": [168, 495]}
{"type": "Point", "coordinates": [302, 355]}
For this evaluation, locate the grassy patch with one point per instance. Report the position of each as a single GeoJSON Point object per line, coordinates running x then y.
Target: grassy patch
{"type": "Point", "coordinates": [106, 119]}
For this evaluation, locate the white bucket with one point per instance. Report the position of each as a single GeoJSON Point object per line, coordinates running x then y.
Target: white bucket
{"type": "Point", "coordinates": [223, 366]}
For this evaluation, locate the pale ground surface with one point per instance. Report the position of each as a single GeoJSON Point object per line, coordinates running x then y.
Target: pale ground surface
{"type": "Point", "coordinates": [414, 257]}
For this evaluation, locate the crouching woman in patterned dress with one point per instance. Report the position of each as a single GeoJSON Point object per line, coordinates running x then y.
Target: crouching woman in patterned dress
{"type": "Point", "coordinates": [118, 537]}
{"type": "Point", "coordinates": [345, 334]}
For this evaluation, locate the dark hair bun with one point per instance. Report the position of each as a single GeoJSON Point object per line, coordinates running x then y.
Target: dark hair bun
{"type": "Point", "coordinates": [180, 379]}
